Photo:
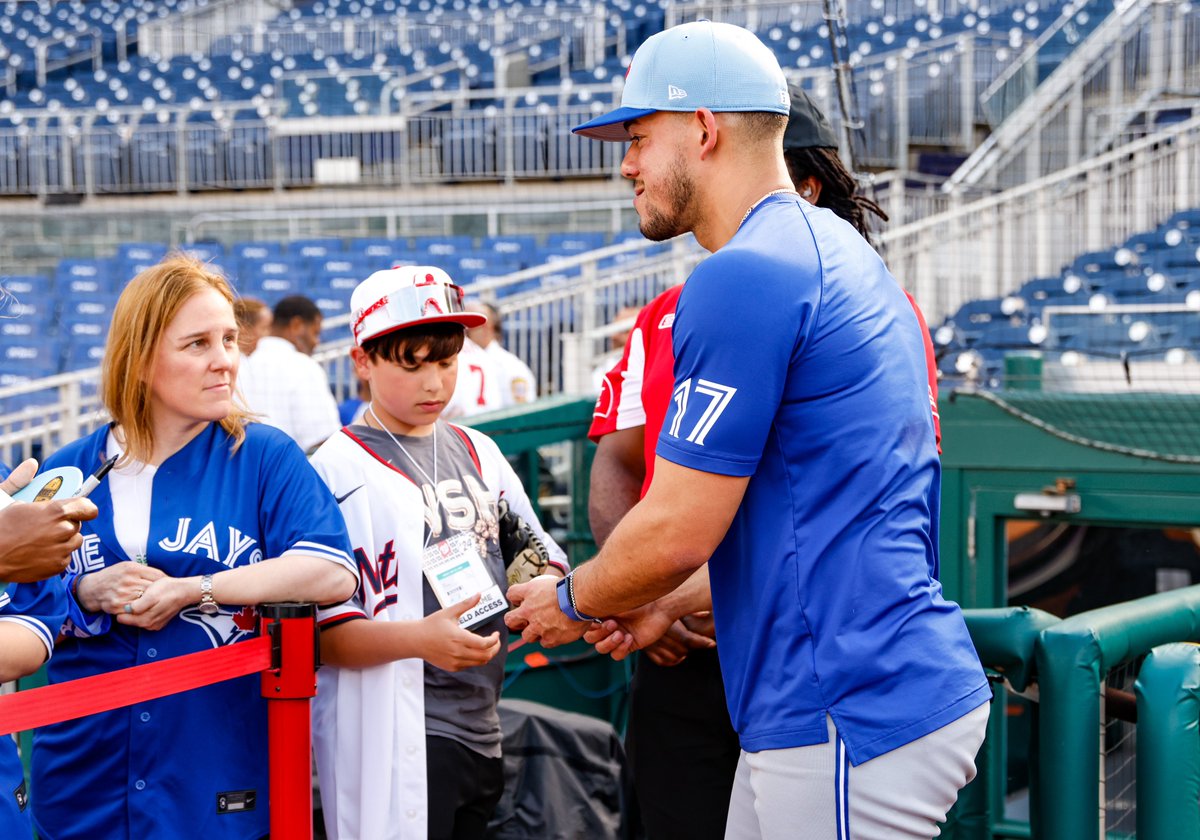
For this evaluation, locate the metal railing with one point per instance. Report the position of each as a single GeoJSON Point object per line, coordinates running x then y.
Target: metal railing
{"type": "Point", "coordinates": [181, 150]}
{"type": "Point", "coordinates": [1141, 53]}
{"type": "Point", "coordinates": [927, 97]}
{"type": "Point", "coordinates": [753, 13]}
{"type": "Point", "coordinates": [193, 30]}
{"type": "Point", "coordinates": [558, 326]}
{"type": "Point", "coordinates": [80, 46]}
{"type": "Point", "coordinates": [987, 247]}
{"type": "Point", "coordinates": [1017, 83]}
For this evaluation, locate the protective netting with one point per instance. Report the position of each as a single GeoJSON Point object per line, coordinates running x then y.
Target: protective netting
{"type": "Point", "coordinates": [1161, 427]}
{"type": "Point", "coordinates": [1118, 749]}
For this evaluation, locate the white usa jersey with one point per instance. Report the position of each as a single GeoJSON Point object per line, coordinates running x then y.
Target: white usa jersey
{"type": "Point", "coordinates": [369, 723]}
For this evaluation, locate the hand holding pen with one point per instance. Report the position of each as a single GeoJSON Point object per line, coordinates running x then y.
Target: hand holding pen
{"type": "Point", "coordinates": [36, 540]}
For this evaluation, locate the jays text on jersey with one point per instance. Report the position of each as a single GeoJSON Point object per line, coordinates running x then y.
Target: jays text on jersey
{"type": "Point", "coordinates": [194, 764]}
{"type": "Point", "coordinates": [369, 724]}
{"type": "Point", "coordinates": [799, 363]}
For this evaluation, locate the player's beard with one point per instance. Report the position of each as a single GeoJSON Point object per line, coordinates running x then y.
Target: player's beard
{"type": "Point", "coordinates": [678, 196]}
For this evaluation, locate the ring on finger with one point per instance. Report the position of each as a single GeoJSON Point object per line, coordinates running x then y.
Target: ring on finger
{"type": "Point", "coordinates": [139, 594]}
{"type": "Point", "coordinates": [128, 609]}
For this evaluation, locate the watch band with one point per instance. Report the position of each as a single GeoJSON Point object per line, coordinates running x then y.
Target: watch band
{"type": "Point", "coordinates": [208, 604]}
{"type": "Point", "coordinates": [565, 590]}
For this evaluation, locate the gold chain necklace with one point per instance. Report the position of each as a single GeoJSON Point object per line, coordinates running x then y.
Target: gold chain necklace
{"type": "Point", "coordinates": [781, 191]}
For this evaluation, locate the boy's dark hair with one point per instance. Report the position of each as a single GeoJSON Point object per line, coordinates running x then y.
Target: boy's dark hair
{"type": "Point", "coordinates": [294, 306]}
{"type": "Point", "coordinates": [839, 190]}
{"type": "Point", "coordinates": [440, 340]}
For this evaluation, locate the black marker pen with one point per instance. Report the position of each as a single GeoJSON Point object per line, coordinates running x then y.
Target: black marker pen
{"type": "Point", "coordinates": [93, 480]}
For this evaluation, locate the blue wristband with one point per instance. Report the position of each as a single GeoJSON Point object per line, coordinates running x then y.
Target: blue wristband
{"type": "Point", "coordinates": [565, 590]}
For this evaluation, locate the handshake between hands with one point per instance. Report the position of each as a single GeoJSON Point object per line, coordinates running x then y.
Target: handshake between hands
{"type": "Point", "coordinates": [665, 640]}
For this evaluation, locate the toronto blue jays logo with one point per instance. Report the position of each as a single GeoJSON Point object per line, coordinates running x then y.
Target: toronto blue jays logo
{"type": "Point", "coordinates": [226, 627]}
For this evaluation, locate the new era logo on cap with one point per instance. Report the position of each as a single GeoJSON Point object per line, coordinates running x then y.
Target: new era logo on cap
{"type": "Point", "coordinates": [673, 71]}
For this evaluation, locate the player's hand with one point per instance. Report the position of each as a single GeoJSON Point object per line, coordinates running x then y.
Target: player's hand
{"type": "Point", "coordinates": [637, 629]}
{"type": "Point", "coordinates": [676, 644]}
{"type": "Point", "coordinates": [536, 615]}
{"type": "Point", "coordinates": [451, 647]}
{"type": "Point", "coordinates": [111, 588]}
{"type": "Point", "coordinates": [36, 539]}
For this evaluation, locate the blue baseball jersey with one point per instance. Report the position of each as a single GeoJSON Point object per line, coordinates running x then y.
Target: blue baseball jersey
{"type": "Point", "coordinates": [4, 473]}
{"type": "Point", "coordinates": [799, 363]}
{"type": "Point", "coordinates": [41, 609]}
{"type": "Point", "coordinates": [193, 764]}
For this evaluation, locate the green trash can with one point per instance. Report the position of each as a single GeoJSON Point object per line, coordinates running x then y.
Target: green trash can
{"type": "Point", "coordinates": [1023, 371]}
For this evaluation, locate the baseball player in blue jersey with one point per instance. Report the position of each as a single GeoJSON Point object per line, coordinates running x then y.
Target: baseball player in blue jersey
{"type": "Point", "coordinates": [798, 458]}
{"type": "Point", "coordinates": [30, 615]}
{"type": "Point", "coordinates": [204, 516]}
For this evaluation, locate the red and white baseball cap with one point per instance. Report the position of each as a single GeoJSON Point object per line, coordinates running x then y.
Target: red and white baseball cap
{"type": "Point", "coordinates": [404, 297]}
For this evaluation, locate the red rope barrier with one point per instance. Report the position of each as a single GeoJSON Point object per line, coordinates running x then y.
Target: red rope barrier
{"type": "Point", "coordinates": [285, 654]}
{"type": "Point", "coordinates": [104, 692]}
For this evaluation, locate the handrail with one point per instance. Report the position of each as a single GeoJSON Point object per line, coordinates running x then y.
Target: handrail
{"type": "Point", "coordinates": [1027, 57]}
{"type": "Point", "coordinates": [1048, 95]}
{"type": "Point", "coordinates": [1048, 182]}
{"type": "Point", "coordinates": [1073, 658]}
{"type": "Point", "coordinates": [42, 52]}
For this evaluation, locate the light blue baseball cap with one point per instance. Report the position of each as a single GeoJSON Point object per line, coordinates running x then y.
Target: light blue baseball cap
{"type": "Point", "coordinates": [700, 64]}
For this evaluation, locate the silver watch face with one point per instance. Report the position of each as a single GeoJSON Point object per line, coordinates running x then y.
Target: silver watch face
{"type": "Point", "coordinates": [208, 607]}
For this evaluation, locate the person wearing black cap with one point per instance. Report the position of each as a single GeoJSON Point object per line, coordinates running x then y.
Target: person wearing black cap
{"type": "Point", "coordinates": [797, 457]}
{"type": "Point", "coordinates": [681, 747]}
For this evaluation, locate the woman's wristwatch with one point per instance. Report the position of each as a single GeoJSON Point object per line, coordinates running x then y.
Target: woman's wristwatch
{"type": "Point", "coordinates": [208, 604]}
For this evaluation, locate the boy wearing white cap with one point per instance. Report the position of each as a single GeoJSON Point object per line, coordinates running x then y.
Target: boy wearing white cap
{"type": "Point", "coordinates": [798, 458]}
{"type": "Point", "coordinates": [405, 725]}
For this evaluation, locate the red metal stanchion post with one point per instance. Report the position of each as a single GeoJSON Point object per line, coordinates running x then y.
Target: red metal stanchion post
{"type": "Point", "coordinates": [289, 686]}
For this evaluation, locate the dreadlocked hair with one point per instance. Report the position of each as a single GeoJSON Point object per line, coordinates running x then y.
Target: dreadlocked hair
{"type": "Point", "coordinates": [839, 190]}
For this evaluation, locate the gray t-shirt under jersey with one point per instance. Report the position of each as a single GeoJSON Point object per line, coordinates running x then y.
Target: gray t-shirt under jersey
{"type": "Point", "coordinates": [459, 705]}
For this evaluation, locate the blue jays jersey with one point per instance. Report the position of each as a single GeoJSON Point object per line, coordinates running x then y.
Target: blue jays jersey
{"type": "Point", "coordinates": [193, 764]}
{"type": "Point", "coordinates": [41, 609]}
{"type": "Point", "coordinates": [4, 472]}
{"type": "Point", "coordinates": [799, 363]}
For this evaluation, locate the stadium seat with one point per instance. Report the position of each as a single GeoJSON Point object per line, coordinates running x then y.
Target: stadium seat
{"type": "Point", "coordinates": [438, 247]}
{"type": "Point", "coordinates": [522, 249]}
{"type": "Point", "coordinates": [314, 249]}
{"type": "Point", "coordinates": [255, 250]}
{"type": "Point", "coordinates": [376, 251]}
{"type": "Point", "coordinates": [332, 305]}
{"type": "Point", "coordinates": [208, 252]}
{"type": "Point", "coordinates": [974, 317]}
{"type": "Point", "coordinates": [79, 276]}
{"type": "Point", "coordinates": [23, 287]}
{"type": "Point", "coordinates": [36, 357]}
{"type": "Point", "coordinates": [569, 244]}
{"type": "Point", "coordinates": [83, 354]}
{"type": "Point", "coordinates": [1003, 335]}
{"type": "Point", "coordinates": [140, 252]}
{"type": "Point", "coordinates": [273, 279]}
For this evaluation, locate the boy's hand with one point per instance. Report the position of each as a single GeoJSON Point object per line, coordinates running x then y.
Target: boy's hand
{"type": "Point", "coordinates": [452, 648]}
